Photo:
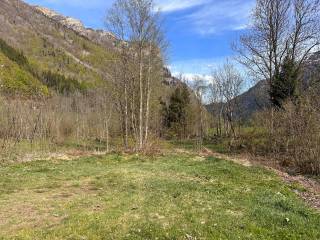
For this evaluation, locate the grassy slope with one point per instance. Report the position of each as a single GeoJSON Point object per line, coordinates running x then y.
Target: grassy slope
{"type": "Point", "coordinates": [14, 79]}
{"type": "Point", "coordinates": [50, 46]}
{"type": "Point", "coordinates": [127, 197]}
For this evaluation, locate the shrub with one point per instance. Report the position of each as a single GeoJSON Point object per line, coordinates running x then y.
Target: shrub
{"type": "Point", "coordinates": [292, 134]}
{"type": "Point", "coordinates": [297, 135]}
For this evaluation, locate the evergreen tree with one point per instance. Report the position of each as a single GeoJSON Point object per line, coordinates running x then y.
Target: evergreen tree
{"type": "Point", "coordinates": [13, 54]}
{"type": "Point", "coordinates": [62, 84]}
{"type": "Point", "coordinates": [175, 114]}
{"type": "Point", "coordinates": [285, 84]}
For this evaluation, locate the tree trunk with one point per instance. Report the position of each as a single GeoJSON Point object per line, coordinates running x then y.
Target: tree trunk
{"type": "Point", "coordinates": [148, 97]}
{"type": "Point", "coordinates": [126, 116]}
{"type": "Point", "coordinates": [141, 102]}
{"type": "Point", "coordinates": [107, 132]}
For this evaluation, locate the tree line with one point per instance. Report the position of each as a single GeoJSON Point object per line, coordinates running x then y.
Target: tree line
{"type": "Point", "coordinates": [137, 107]}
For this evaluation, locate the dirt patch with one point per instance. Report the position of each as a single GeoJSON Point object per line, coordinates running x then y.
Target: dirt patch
{"type": "Point", "coordinates": [182, 151]}
{"type": "Point", "coordinates": [38, 208]}
{"type": "Point", "coordinates": [242, 160]}
{"type": "Point", "coordinates": [68, 155]}
{"type": "Point", "coordinates": [16, 215]}
{"type": "Point", "coordinates": [199, 159]}
{"type": "Point", "coordinates": [310, 190]}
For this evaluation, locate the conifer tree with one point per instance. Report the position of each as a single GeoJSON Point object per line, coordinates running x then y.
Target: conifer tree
{"type": "Point", "coordinates": [286, 85]}
{"type": "Point", "coordinates": [175, 114]}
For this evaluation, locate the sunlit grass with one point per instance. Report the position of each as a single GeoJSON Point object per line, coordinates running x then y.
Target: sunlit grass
{"type": "Point", "coordinates": [134, 197]}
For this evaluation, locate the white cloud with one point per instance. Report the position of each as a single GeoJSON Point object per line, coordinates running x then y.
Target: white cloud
{"type": "Point", "coordinates": [197, 66]}
{"type": "Point", "coordinates": [206, 17]}
{"type": "Point", "coordinates": [190, 77]}
{"type": "Point", "coordinates": [202, 68]}
{"type": "Point", "coordinates": [163, 5]}
{"type": "Point", "coordinates": [176, 5]}
{"type": "Point", "coordinates": [216, 16]}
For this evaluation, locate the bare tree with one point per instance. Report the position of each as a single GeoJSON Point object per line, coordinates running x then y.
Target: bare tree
{"type": "Point", "coordinates": [138, 28]}
{"type": "Point", "coordinates": [117, 23]}
{"type": "Point", "coordinates": [279, 28]}
{"type": "Point", "coordinates": [199, 87]}
{"type": "Point", "coordinates": [155, 61]}
{"type": "Point", "coordinates": [216, 99]}
{"type": "Point", "coordinates": [229, 86]}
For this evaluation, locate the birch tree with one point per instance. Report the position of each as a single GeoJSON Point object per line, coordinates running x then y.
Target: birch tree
{"type": "Point", "coordinates": [199, 87]}
{"type": "Point", "coordinates": [142, 43]}
{"type": "Point", "coordinates": [230, 84]}
{"type": "Point", "coordinates": [117, 23]}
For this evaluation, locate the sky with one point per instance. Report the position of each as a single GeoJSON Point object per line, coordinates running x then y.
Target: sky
{"type": "Point", "coordinates": [200, 32]}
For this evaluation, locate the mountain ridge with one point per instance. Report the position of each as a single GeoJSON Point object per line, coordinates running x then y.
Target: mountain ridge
{"type": "Point", "coordinates": [256, 98]}
{"type": "Point", "coordinates": [49, 44]}
{"type": "Point", "coordinates": [62, 45]}
{"type": "Point", "coordinates": [97, 35]}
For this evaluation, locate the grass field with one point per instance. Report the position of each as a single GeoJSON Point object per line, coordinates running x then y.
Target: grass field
{"type": "Point", "coordinates": [177, 196]}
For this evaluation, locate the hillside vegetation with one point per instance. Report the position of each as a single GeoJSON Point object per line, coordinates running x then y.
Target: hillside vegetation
{"type": "Point", "coordinates": [15, 80]}
{"type": "Point", "coordinates": [20, 78]}
{"type": "Point", "coordinates": [49, 45]}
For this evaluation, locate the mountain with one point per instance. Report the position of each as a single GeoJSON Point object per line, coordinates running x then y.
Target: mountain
{"type": "Point", "coordinates": [257, 97]}
{"type": "Point", "coordinates": [52, 42]}
{"type": "Point", "coordinates": [59, 53]}
{"type": "Point", "coordinates": [253, 100]}
{"type": "Point", "coordinates": [169, 79]}
{"type": "Point", "coordinates": [101, 37]}
{"type": "Point", "coordinates": [249, 102]}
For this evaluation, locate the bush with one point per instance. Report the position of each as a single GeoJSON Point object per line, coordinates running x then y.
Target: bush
{"type": "Point", "coordinates": [292, 135]}
{"type": "Point", "coordinates": [297, 135]}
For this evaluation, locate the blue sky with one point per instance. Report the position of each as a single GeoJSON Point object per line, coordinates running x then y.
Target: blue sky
{"type": "Point", "coordinates": [200, 32]}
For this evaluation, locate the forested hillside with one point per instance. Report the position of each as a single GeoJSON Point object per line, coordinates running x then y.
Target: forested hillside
{"type": "Point", "coordinates": [49, 45]}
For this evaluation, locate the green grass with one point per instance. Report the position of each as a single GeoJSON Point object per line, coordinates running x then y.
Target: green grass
{"type": "Point", "coordinates": [134, 197]}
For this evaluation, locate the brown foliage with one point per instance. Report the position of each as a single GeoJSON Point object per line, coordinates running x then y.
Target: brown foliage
{"type": "Point", "coordinates": [54, 121]}
{"type": "Point", "coordinates": [295, 136]}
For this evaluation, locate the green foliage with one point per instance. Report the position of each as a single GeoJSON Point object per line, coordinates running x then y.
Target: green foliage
{"type": "Point", "coordinates": [135, 197]}
{"type": "Point", "coordinates": [63, 57]}
{"type": "Point", "coordinates": [18, 57]}
{"type": "Point", "coordinates": [13, 54]}
{"type": "Point", "coordinates": [175, 113]}
{"type": "Point", "coordinates": [25, 75]}
{"type": "Point", "coordinates": [285, 84]}
{"type": "Point", "coordinates": [62, 84]}
{"type": "Point", "coordinates": [15, 80]}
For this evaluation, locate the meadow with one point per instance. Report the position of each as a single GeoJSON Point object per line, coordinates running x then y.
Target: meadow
{"type": "Point", "coordinates": [177, 195]}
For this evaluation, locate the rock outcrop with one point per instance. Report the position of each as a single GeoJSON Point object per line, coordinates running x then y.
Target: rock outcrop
{"type": "Point", "coordinates": [98, 36]}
